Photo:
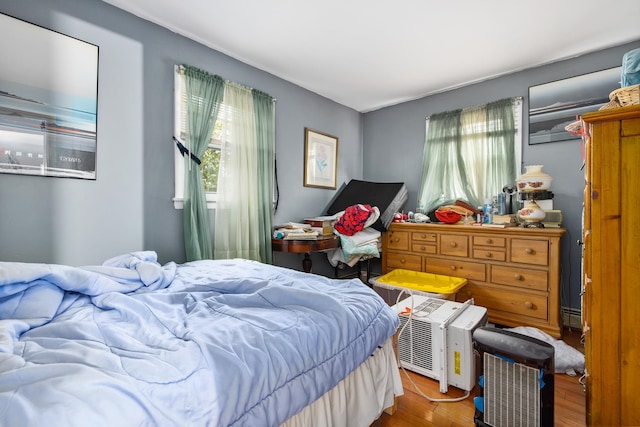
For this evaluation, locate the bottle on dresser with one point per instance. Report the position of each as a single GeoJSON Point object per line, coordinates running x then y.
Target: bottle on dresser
{"type": "Point", "coordinates": [487, 211]}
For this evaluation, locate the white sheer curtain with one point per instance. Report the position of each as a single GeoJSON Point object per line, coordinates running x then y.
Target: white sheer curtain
{"type": "Point", "coordinates": [490, 136]}
{"type": "Point", "coordinates": [237, 216]}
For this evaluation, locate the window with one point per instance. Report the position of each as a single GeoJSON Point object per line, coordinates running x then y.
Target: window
{"type": "Point", "coordinates": [471, 154]}
{"type": "Point", "coordinates": [211, 158]}
{"type": "Point", "coordinates": [225, 130]}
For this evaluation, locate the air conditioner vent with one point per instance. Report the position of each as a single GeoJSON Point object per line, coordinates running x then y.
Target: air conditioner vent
{"type": "Point", "coordinates": [515, 379]}
{"type": "Point", "coordinates": [512, 393]}
{"type": "Point", "coordinates": [429, 306]}
{"type": "Point", "coordinates": [415, 344]}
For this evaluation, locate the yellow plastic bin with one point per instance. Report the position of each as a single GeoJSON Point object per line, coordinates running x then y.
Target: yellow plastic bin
{"type": "Point", "coordinates": [390, 285]}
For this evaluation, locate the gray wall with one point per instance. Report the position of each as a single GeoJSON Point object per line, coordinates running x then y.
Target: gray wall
{"type": "Point", "coordinates": [129, 206]}
{"type": "Point", "coordinates": [394, 139]}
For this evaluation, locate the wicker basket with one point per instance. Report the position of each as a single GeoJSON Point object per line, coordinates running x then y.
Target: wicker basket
{"type": "Point", "coordinates": [625, 96]}
{"type": "Point", "coordinates": [576, 128]}
{"type": "Point", "coordinates": [611, 104]}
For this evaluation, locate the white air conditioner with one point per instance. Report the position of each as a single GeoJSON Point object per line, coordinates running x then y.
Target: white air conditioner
{"type": "Point", "coordinates": [435, 339]}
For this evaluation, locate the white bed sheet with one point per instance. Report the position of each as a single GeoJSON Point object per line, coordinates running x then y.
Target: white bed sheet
{"type": "Point", "coordinates": [360, 398]}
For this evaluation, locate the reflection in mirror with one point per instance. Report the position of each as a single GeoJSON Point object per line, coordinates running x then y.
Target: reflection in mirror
{"type": "Point", "coordinates": [48, 102]}
{"type": "Point", "coordinates": [552, 106]}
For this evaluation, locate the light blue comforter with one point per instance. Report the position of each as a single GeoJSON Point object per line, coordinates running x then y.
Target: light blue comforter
{"type": "Point", "coordinates": [134, 343]}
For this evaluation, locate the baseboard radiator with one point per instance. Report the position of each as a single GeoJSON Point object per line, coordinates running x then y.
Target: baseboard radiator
{"type": "Point", "coordinates": [571, 317]}
{"type": "Point", "coordinates": [515, 379]}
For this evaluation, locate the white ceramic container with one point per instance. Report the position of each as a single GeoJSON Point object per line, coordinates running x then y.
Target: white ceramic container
{"type": "Point", "coordinates": [531, 212]}
{"type": "Point", "coordinates": [534, 179]}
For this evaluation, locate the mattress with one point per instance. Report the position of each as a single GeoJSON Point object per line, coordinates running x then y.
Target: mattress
{"type": "Point", "coordinates": [389, 197]}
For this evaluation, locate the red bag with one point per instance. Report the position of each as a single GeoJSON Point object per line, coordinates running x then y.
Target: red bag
{"type": "Point", "coordinates": [448, 217]}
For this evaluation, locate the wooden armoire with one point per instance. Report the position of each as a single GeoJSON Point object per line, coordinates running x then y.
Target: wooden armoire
{"type": "Point", "coordinates": [611, 266]}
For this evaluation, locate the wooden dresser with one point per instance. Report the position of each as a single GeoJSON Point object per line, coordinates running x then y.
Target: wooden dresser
{"type": "Point", "coordinates": [513, 272]}
{"type": "Point", "coordinates": [611, 271]}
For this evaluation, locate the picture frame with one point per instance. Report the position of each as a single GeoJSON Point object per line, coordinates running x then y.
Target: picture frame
{"type": "Point", "coordinates": [320, 159]}
{"type": "Point", "coordinates": [48, 102]}
{"type": "Point", "coordinates": [554, 105]}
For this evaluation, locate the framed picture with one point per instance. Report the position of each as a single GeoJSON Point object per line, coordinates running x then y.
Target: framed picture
{"type": "Point", "coordinates": [48, 102]}
{"type": "Point", "coordinates": [552, 106]}
{"type": "Point", "coordinates": [320, 159]}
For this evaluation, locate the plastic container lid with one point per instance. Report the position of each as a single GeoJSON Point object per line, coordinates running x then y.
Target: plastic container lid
{"type": "Point", "coordinates": [424, 282]}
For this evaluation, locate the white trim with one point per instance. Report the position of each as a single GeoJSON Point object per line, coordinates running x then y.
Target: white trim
{"type": "Point", "coordinates": [178, 159]}
{"type": "Point", "coordinates": [518, 147]}
{"type": "Point", "coordinates": [212, 200]}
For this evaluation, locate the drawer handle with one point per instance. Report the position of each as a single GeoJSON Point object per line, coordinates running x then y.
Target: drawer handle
{"type": "Point", "coordinates": [528, 251]}
{"type": "Point", "coordinates": [453, 268]}
{"type": "Point", "coordinates": [454, 244]}
{"type": "Point", "coordinates": [423, 248]}
{"type": "Point", "coordinates": [402, 261]}
{"type": "Point", "coordinates": [396, 239]}
{"type": "Point", "coordinates": [489, 241]}
{"type": "Point", "coordinates": [517, 276]}
{"type": "Point", "coordinates": [528, 304]}
{"type": "Point", "coordinates": [489, 255]}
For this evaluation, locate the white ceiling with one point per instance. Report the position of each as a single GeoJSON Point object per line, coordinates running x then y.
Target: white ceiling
{"type": "Point", "coordinates": [368, 54]}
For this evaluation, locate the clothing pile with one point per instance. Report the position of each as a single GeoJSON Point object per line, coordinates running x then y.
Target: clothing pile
{"type": "Point", "coordinates": [357, 238]}
{"type": "Point", "coordinates": [567, 359]}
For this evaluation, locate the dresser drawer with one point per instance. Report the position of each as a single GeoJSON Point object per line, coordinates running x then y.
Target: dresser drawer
{"type": "Point", "coordinates": [489, 254]}
{"type": "Point", "coordinates": [493, 241]}
{"type": "Point", "coordinates": [454, 245]}
{"type": "Point", "coordinates": [448, 267]}
{"type": "Point", "coordinates": [511, 302]}
{"type": "Point", "coordinates": [398, 240]}
{"type": "Point", "coordinates": [529, 251]}
{"type": "Point", "coordinates": [520, 277]}
{"type": "Point", "coordinates": [423, 248]}
{"type": "Point", "coordinates": [424, 236]}
{"type": "Point", "coordinates": [404, 261]}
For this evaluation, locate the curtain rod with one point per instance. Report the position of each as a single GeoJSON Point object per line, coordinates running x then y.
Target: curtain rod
{"type": "Point", "coordinates": [517, 99]}
{"type": "Point", "coordinates": [180, 70]}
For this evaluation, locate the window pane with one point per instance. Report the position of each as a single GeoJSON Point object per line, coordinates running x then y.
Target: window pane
{"type": "Point", "coordinates": [210, 165]}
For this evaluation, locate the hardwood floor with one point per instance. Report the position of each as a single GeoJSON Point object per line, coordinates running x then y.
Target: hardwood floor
{"type": "Point", "coordinates": [416, 411]}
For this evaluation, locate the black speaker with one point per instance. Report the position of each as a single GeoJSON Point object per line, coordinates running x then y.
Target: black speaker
{"type": "Point", "coordinates": [515, 379]}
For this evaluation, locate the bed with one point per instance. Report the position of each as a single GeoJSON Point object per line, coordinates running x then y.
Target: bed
{"type": "Point", "coordinates": [131, 342]}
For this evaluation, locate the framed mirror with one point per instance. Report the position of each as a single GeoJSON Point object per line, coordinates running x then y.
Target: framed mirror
{"type": "Point", "coordinates": [554, 105]}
